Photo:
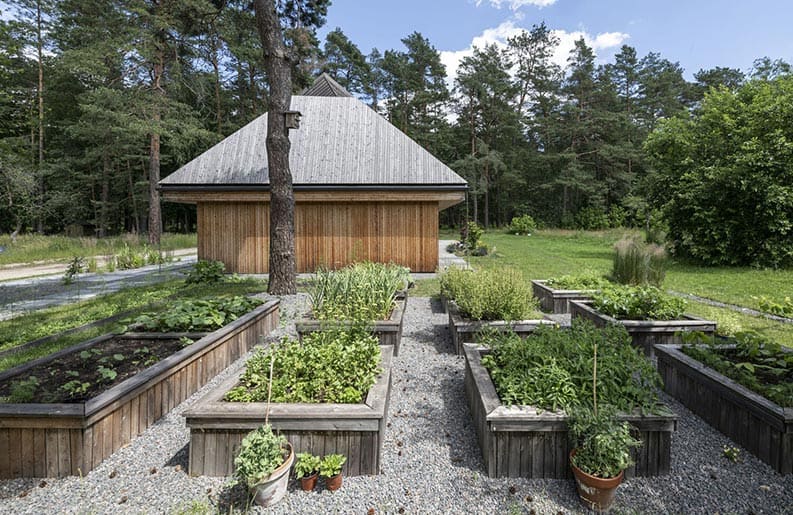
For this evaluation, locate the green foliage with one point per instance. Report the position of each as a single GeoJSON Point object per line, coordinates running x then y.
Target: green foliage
{"type": "Point", "coordinates": [732, 453]}
{"type": "Point", "coordinates": [76, 387]}
{"type": "Point", "coordinates": [331, 465]}
{"type": "Point", "coordinates": [261, 452]}
{"type": "Point", "coordinates": [591, 219]}
{"type": "Point", "coordinates": [603, 444]}
{"type": "Point", "coordinates": [23, 390]}
{"type": "Point", "coordinates": [195, 315]}
{"type": "Point", "coordinates": [524, 224]}
{"type": "Point", "coordinates": [636, 262]}
{"type": "Point", "coordinates": [723, 176]}
{"type": "Point", "coordinates": [581, 281]}
{"type": "Point", "coordinates": [782, 308]}
{"type": "Point", "coordinates": [755, 362]}
{"type": "Point", "coordinates": [306, 465]}
{"type": "Point", "coordinates": [552, 368]}
{"type": "Point", "coordinates": [332, 366]}
{"type": "Point", "coordinates": [472, 236]}
{"type": "Point", "coordinates": [489, 294]}
{"type": "Point", "coordinates": [363, 291]}
{"type": "Point", "coordinates": [76, 266]}
{"type": "Point", "coordinates": [205, 272]}
{"type": "Point", "coordinates": [638, 303]}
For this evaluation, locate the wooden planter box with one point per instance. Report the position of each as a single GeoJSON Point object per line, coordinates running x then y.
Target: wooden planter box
{"type": "Point", "coordinates": [217, 427]}
{"type": "Point", "coordinates": [389, 332]}
{"type": "Point", "coordinates": [557, 301]}
{"type": "Point", "coordinates": [519, 441]}
{"type": "Point", "coordinates": [464, 330]}
{"type": "Point", "coordinates": [645, 333]}
{"type": "Point", "coordinates": [58, 440]}
{"type": "Point", "coordinates": [751, 420]}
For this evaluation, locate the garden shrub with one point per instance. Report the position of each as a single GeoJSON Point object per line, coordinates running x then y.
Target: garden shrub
{"type": "Point", "coordinates": [582, 281]}
{"type": "Point", "coordinates": [638, 303]}
{"type": "Point", "coordinates": [197, 315]}
{"type": "Point", "coordinates": [636, 262]}
{"type": "Point", "coordinates": [363, 291]}
{"type": "Point", "coordinates": [333, 366]}
{"type": "Point", "coordinates": [522, 225]}
{"type": "Point", "coordinates": [591, 219]}
{"type": "Point", "coordinates": [755, 362]}
{"type": "Point", "coordinates": [205, 272]}
{"type": "Point", "coordinates": [552, 368]}
{"type": "Point", "coordinates": [485, 294]}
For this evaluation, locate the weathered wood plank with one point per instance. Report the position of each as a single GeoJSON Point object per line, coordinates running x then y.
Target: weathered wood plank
{"type": "Point", "coordinates": [5, 453]}
{"type": "Point", "coordinates": [40, 460]}
{"type": "Point", "coordinates": [28, 450]}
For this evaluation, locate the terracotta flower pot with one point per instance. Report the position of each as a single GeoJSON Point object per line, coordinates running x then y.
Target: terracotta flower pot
{"type": "Point", "coordinates": [596, 492]}
{"type": "Point", "coordinates": [307, 483]}
{"type": "Point", "coordinates": [273, 488]}
{"type": "Point", "coordinates": [333, 483]}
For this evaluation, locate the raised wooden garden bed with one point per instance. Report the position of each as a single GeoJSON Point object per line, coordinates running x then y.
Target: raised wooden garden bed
{"type": "Point", "coordinates": [645, 333]}
{"type": "Point", "coordinates": [557, 301]}
{"type": "Point", "coordinates": [761, 426]}
{"type": "Point", "coordinates": [389, 332]}
{"type": "Point", "coordinates": [519, 441]}
{"type": "Point", "coordinates": [217, 427]}
{"type": "Point", "coordinates": [464, 330]}
{"type": "Point", "coordinates": [57, 440]}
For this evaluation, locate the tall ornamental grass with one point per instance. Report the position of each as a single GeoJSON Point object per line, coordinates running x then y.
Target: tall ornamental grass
{"type": "Point", "coordinates": [363, 291]}
{"type": "Point", "coordinates": [501, 294]}
{"type": "Point", "coordinates": [637, 263]}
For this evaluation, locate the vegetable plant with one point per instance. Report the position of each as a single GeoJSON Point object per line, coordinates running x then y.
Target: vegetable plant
{"type": "Point", "coordinates": [603, 444]}
{"type": "Point", "coordinates": [582, 281]}
{"type": "Point", "coordinates": [205, 272]}
{"type": "Point", "coordinates": [489, 294]}
{"type": "Point", "coordinates": [261, 452]}
{"type": "Point", "coordinates": [331, 465]}
{"type": "Point", "coordinates": [552, 368]}
{"type": "Point", "coordinates": [197, 315]}
{"type": "Point", "coordinates": [335, 366]}
{"type": "Point", "coordinates": [306, 465]}
{"type": "Point", "coordinates": [638, 303]}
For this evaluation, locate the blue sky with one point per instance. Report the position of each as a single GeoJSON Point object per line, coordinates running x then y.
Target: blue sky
{"type": "Point", "coordinates": [696, 33]}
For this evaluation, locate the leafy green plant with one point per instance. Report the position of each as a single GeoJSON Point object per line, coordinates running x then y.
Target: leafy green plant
{"type": "Point", "coordinates": [602, 443]}
{"type": "Point", "coordinates": [75, 267]}
{"type": "Point", "coordinates": [197, 315]}
{"type": "Point", "coordinates": [306, 465]}
{"type": "Point", "coordinates": [489, 294]}
{"type": "Point", "coordinates": [732, 453]}
{"type": "Point", "coordinates": [76, 387]}
{"type": "Point", "coordinates": [637, 263]}
{"type": "Point", "coordinates": [552, 368]}
{"type": "Point", "coordinates": [638, 303]}
{"type": "Point", "coordinates": [205, 272]}
{"type": "Point", "coordinates": [24, 390]}
{"type": "Point", "coordinates": [335, 366]}
{"type": "Point", "coordinates": [522, 225]}
{"type": "Point", "coordinates": [783, 308]}
{"type": "Point", "coordinates": [107, 373]}
{"type": "Point", "coordinates": [261, 452]}
{"type": "Point", "coordinates": [362, 292]}
{"type": "Point", "coordinates": [331, 465]}
{"type": "Point", "coordinates": [761, 365]}
{"type": "Point", "coordinates": [471, 236]}
{"type": "Point", "coordinates": [582, 281]}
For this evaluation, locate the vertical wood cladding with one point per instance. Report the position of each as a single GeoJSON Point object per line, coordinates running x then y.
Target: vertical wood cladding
{"type": "Point", "coordinates": [327, 234]}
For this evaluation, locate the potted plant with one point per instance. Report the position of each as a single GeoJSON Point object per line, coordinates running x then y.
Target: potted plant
{"type": "Point", "coordinates": [330, 469]}
{"type": "Point", "coordinates": [306, 470]}
{"type": "Point", "coordinates": [263, 463]}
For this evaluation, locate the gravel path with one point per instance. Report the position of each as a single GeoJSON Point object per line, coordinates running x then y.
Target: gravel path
{"type": "Point", "coordinates": [431, 460]}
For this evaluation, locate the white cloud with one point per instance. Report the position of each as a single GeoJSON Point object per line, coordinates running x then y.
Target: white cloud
{"type": "Point", "coordinates": [499, 35]}
{"type": "Point", "coordinates": [517, 4]}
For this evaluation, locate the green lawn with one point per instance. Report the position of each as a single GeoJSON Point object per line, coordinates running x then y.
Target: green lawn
{"type": "Point", "coordinates": [45, 322]}
{"type": "Point", "coordinates": [552, 253]}
{"type": "Point", "coordinates": [35, 247]}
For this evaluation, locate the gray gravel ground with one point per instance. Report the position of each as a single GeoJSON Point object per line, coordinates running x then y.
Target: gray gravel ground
{"type": "Point", "coordinates": [431, 460]}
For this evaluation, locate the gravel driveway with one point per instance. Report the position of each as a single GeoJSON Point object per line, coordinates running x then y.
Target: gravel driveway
{"type": "Point", "coordinates": [431, 460]}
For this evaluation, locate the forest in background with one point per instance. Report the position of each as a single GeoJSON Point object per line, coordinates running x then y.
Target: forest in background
{"type": "Point", "coordinates": [101, 98]}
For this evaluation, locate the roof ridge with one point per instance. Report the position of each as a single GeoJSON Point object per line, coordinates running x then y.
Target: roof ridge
{"type": "Point", "coordinates": [325, 86]}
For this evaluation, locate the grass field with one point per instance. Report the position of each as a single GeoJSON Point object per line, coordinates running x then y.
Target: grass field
{"type": "Point", "coordinates": [50, 321]}
{"type": "Point", "coordinates": [555, 252]}
{"type": "Point", "coordinates": [35, 247]}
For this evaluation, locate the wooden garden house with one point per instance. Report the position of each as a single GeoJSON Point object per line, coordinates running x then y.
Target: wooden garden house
{"type": "Point", "coordinates": [363, 190]}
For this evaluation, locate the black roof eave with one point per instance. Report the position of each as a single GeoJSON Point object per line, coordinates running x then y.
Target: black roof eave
{"type": "Point", "coordinates": [316, 187]}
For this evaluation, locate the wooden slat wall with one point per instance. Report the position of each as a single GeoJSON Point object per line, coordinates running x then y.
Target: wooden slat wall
{"type": "Point", "coordinates": [329, 234]}
{"type": "Point", "coordinates": [44, 448]}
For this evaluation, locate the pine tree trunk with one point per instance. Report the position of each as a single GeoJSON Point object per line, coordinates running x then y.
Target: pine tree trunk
{"type": "Point", "coordinates": [104, 198]}
{"type": "Point", "coordinates": [41, 185]}
{"type": "Point", "coordinates": [282, 200]}
{"type": "Point", "coordinates": [155, 214]}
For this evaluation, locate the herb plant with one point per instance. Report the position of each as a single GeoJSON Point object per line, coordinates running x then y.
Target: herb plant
{"type": "Point", "coordinates": [333, 366]}
{"type": "Point", "coordinates": [603, 444]}
{"type": "Point", "coordinates": [361, 292]}
{"type": "Point", "coordinates": [755, 362]}
{"type": "Point", "coordinates": [331, 465]}
{"type": "Point", "coordinates": [582, 281]}
{"type": "Point", "coordinates": [552, 368]}
{"type": "Point", "coordinates": [197, 315]}
{"type": "Point", "coordinates": [638, 303]}
{"type": "Point", "coordinates": [306, 465]}
{"type": "Point", "coordinates": [261, 452]}
{"type": "Point", "coordinates": [489, 294]}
